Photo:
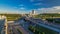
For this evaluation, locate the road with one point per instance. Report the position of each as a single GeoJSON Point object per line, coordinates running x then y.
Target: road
{"type": "Point", "coordinates": [12, 29]}
{"type": "Point", "coordinates": [9, 29]}
{"type": "Point", "coordinates": [41, 23]}
{"type": "Point", "coordinates": [22, 30]}
{"type": "Point", "coordinates": [24, 25]}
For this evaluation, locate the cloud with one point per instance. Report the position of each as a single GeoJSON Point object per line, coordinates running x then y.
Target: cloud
{"type": "Point", "coordinates": [22, 8]}
{"type": "Point", "coordinates": [14, 11]}
{"type": "Point", "coordinates": [55, 9]}
{"type": "Point", "coordinates": [38, 4]}
{"type": "Point", "coordinates": [40, 0]}
{"type": "Point", "coordinates": [21, 5]}
{"type": "Point", "coordinates": [35, 0]}
{"type": "Point", "coordinates": [0, 10]}
{"type": "Point", "coordinates": [32, 0]}
{"type": "Point", "coordinates": [15, 7]}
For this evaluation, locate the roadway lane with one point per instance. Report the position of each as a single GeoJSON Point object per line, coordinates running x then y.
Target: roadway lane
{"type": "Point", "coordinates": [11, 26]}
{"type": "Point", "coordinates": [9, 29]}
{"type": "Point", "coordinates": [23, 24]}
{"type": "Point", "coordinates": [22, 29]}
{"type": "Point", "coordinates": [14, 27]}
{"type": "Point", "coordinates": [15, 30]}
{"type": "Point", "coordinates": [43, 24]}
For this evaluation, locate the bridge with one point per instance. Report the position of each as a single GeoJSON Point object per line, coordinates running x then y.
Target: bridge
{"type": "Point", "coordinates": [43, 24]}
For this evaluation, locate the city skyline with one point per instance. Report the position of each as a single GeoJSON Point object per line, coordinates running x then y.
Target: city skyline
{"type": "Point", "coordinates": [25, 6]}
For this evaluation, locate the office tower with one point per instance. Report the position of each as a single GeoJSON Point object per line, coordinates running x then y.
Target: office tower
{"type": "Point", "coordinates": [33, 12]}
{"type": "Point", "coordinates": [2, 22]}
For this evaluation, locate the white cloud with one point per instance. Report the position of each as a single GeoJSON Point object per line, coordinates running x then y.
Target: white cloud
{"type": "Point", "coordinates": [55, 9]}
{"type": "Point", "coordinates": [21, 5]}
{"type": "Point", "coordinates": [0, 10]}
{"type": "Point", "coordinates": [31, 0]}
{"type": "Point", "coordinates": [38, 4]}
{"type": "Point", "coordinates": [40, 0]}
{"type": "Point", "coordinates": [15, 10]}
{"type": "Point", "coordinates": [35, 0]}
{"type": "Point", "coordinates": [22, 8]}
{"type": "Point", "coordinates": [15, 7]}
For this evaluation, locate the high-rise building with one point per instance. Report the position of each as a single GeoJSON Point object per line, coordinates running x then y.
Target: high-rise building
{"type": "Point", "coordinates": [2, 22]}
{"type": "Point", "coordinates": [32, 13]}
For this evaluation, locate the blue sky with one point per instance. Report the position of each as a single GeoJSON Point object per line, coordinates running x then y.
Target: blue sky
{"type": "Point", "coordinates": [25, 6]}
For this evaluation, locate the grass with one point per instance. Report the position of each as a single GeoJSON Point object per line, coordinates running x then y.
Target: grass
{"type": "Point", "coordinates": [11, 17]}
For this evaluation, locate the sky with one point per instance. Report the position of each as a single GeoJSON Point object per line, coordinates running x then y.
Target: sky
{"type": "Point", "coordinates": [25, 6]}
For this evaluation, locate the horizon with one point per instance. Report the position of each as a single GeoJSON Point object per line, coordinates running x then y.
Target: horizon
{"type": "Point", "coordinates": [28, 13]}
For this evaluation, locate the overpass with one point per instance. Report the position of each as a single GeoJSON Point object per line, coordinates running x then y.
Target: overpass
{"type": "Point", "coordinates": [41, 23]}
